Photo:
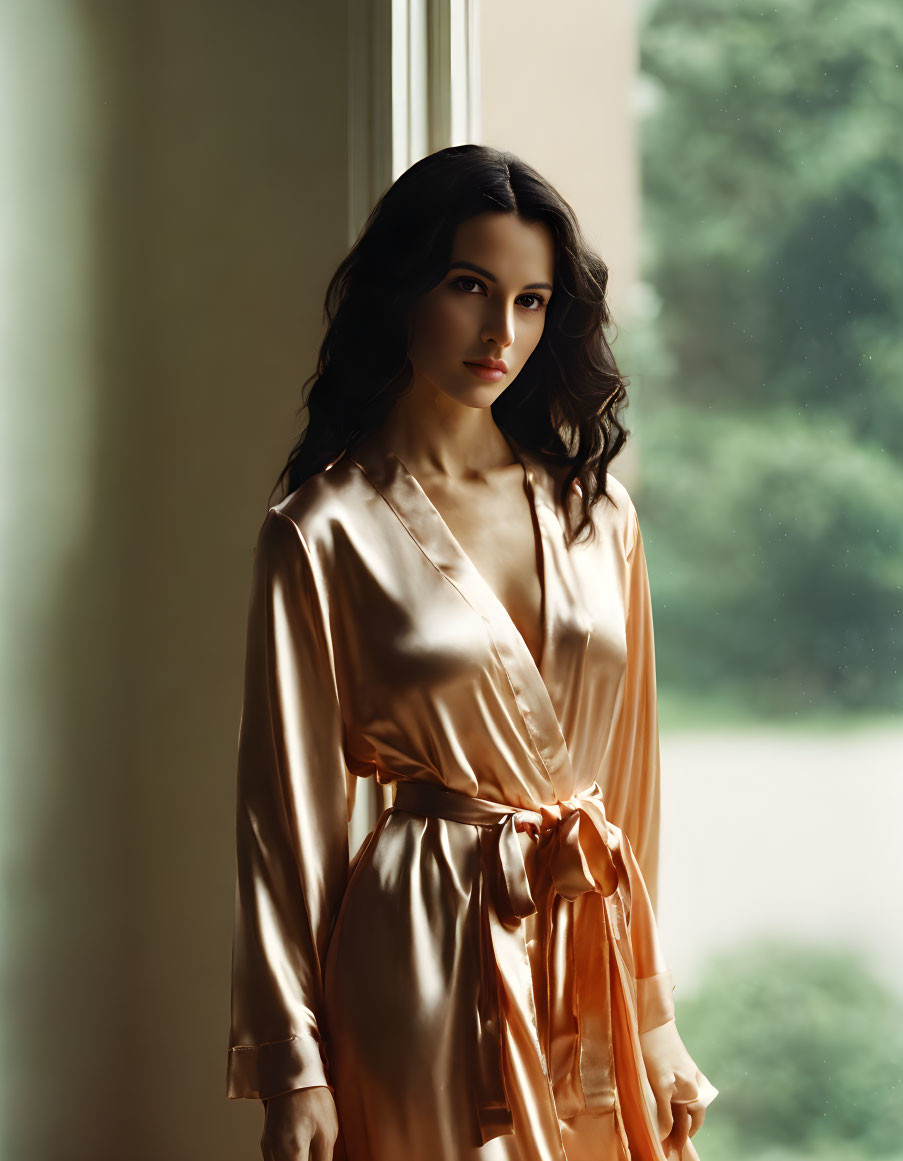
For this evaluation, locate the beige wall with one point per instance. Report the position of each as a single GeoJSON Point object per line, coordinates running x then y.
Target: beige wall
{"type": "Point", "coordinates": [176, 201]}
{"type": "Point", "coordinates": [557, 89]}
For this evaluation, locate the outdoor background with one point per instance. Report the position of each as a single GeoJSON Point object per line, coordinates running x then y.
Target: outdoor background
{"type": "Point", "coordinates": [767, 351]}
{"type": "Point", "coordinates": [174, 181]}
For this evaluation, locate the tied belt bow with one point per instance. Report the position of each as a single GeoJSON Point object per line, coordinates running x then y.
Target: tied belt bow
{"type": "Point", "coordinates": [583, 855]}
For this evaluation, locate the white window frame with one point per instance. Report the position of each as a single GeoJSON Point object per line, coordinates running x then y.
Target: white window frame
{"type": "Point", "coordinates": [413, 88]}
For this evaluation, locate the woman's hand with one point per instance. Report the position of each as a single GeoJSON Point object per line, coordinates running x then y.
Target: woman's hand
{"type": "Point", "coordinates": [678, 1086]}
{"type": "Point", "coordinates": [301, 1125]}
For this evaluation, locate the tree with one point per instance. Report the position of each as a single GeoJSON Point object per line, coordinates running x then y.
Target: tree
{"type": "Point", "coordinates": [773, 197]}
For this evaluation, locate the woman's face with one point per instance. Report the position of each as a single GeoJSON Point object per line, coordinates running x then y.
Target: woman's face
{"type": "Point", "coordinates": [490, 305]}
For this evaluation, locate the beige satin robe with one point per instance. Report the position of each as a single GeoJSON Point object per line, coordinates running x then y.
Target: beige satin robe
{"type": "Point", "coordinates": [473, 984]}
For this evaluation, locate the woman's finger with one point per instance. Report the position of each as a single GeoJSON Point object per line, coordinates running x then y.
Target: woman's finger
{"type": "Point", "coordinates": [321, 1149]}
{"type": "Point", "coordinates": [686, 1089]}
{"type": "Point", "coordinates": [677, 1138]}
{"type": "Point", "coordinates": [665, 1113]}
{"type": "Point", "coordinates": [696, 1109]}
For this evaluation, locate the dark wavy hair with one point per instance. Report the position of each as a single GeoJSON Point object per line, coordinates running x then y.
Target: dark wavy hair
{"type": "Point", "coordinates": [562, 405]}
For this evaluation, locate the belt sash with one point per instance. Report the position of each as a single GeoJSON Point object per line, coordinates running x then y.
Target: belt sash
{"type": "Point", "coordinates": [583, 850]}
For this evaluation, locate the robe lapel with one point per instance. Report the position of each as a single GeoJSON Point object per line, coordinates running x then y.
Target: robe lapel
{"type": "Point", "coordinates": [568, 623]}
{"type": "Point", "coordinates": [399, 488]}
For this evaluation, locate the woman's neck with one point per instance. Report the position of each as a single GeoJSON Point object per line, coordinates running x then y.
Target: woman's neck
{"type": "Point", "coordinates": [436, 436]}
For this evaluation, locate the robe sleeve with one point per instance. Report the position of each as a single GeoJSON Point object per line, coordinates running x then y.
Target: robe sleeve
{"type": "Point", "coordinates": [633, 773]}
{"type": "Point", "coordinates": [291, 824]}
{"type": "Point", "coordinates": [654, 982]}
{"type": "Point", "coordinates": [632, 763]}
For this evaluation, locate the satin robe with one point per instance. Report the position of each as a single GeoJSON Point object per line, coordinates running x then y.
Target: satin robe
{"type": "Point", "coordinates": [470, 985]}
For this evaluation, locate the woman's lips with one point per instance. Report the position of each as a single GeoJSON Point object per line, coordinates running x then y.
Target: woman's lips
{"type": "Point", "coordinates": [482, 372]}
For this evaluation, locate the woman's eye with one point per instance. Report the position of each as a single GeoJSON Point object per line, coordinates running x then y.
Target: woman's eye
{"type": "Point", "coordinates": [468, 285]}
{"type": "Point", "coordinates": [471, 281]}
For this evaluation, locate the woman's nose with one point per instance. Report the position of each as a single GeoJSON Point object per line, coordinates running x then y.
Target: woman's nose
{"type": "Point", "coordinates": [499, 326]}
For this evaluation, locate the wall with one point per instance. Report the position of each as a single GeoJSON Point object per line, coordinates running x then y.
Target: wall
{"type": "Point", "coordinates": [556, 89]}
{"type": "Point", "coordinates": [174, 204]}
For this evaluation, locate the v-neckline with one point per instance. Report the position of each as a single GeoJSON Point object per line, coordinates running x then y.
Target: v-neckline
{"type": "Point", "coordinates": [406, 496]}
{"type": "Point", "coordinates": [541, 570]}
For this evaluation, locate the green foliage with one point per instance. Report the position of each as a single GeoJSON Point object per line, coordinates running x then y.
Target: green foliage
{"type": "Point", "coordinates": [806, 1050]}
{"type": "Point", "coordinates": [774, 193]}
{"type": "Point", "coordinates": [775, 550]}
{"type": "Point", "coordinates": [769, 368]}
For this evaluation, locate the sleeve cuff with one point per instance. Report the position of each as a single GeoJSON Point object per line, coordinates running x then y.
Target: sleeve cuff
{"type": "Point", "coordinates": [266, 1070]}
{"type": "Point", "coordinates": [654, 1001]}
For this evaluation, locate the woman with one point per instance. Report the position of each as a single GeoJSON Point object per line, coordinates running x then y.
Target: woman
{"type": "Point", "coordinates": [452, 596]}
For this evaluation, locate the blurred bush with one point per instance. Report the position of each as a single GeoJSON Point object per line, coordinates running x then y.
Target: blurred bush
{"type": "Point", "coordinates": [806, 1050]}
{"type": "Point", "coordinates": [776, 546]}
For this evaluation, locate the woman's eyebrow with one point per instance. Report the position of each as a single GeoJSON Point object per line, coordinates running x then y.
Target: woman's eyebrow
{"type": "Point", "coordinates": [485, 273]}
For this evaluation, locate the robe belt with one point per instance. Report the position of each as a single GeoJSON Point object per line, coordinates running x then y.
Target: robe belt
{"type": "Point", "coordinates": [583, 853]}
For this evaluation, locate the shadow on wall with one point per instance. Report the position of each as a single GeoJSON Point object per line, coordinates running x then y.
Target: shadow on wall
{"type": "Point", "coordinates": [178, 178]}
